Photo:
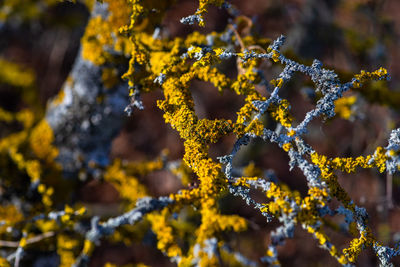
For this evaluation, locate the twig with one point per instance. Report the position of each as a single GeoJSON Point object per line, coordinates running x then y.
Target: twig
{"type": "Point", "coordinates": [15, 244]}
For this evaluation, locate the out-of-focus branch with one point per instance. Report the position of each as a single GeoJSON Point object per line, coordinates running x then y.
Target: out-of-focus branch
{"type": "Point", "coordinates": [35, 239]}
{"type": "Point", "coordinates": [88, 116]}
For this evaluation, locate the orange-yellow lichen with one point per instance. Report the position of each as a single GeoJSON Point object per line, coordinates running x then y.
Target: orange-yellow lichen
{"type": "Point", "coordinates": [41, 142]}
{"type": "Point", "coordinates": [343, 106]}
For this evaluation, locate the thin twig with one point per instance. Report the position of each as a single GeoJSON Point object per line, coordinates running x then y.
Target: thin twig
{"type": "Point", "coordinates": [15, 244]}
{"type": "Point", "coordinates": [242, 47]}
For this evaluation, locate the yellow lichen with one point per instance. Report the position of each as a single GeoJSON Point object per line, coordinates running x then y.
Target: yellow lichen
{"type": "Point", "coordinates": [41, 142]}
{"type": "Point", "coordinates": [343, 106]}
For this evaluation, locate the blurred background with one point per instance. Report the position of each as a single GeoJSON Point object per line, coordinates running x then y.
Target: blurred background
{"type": "Point", "coordinates": [41, 39]}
